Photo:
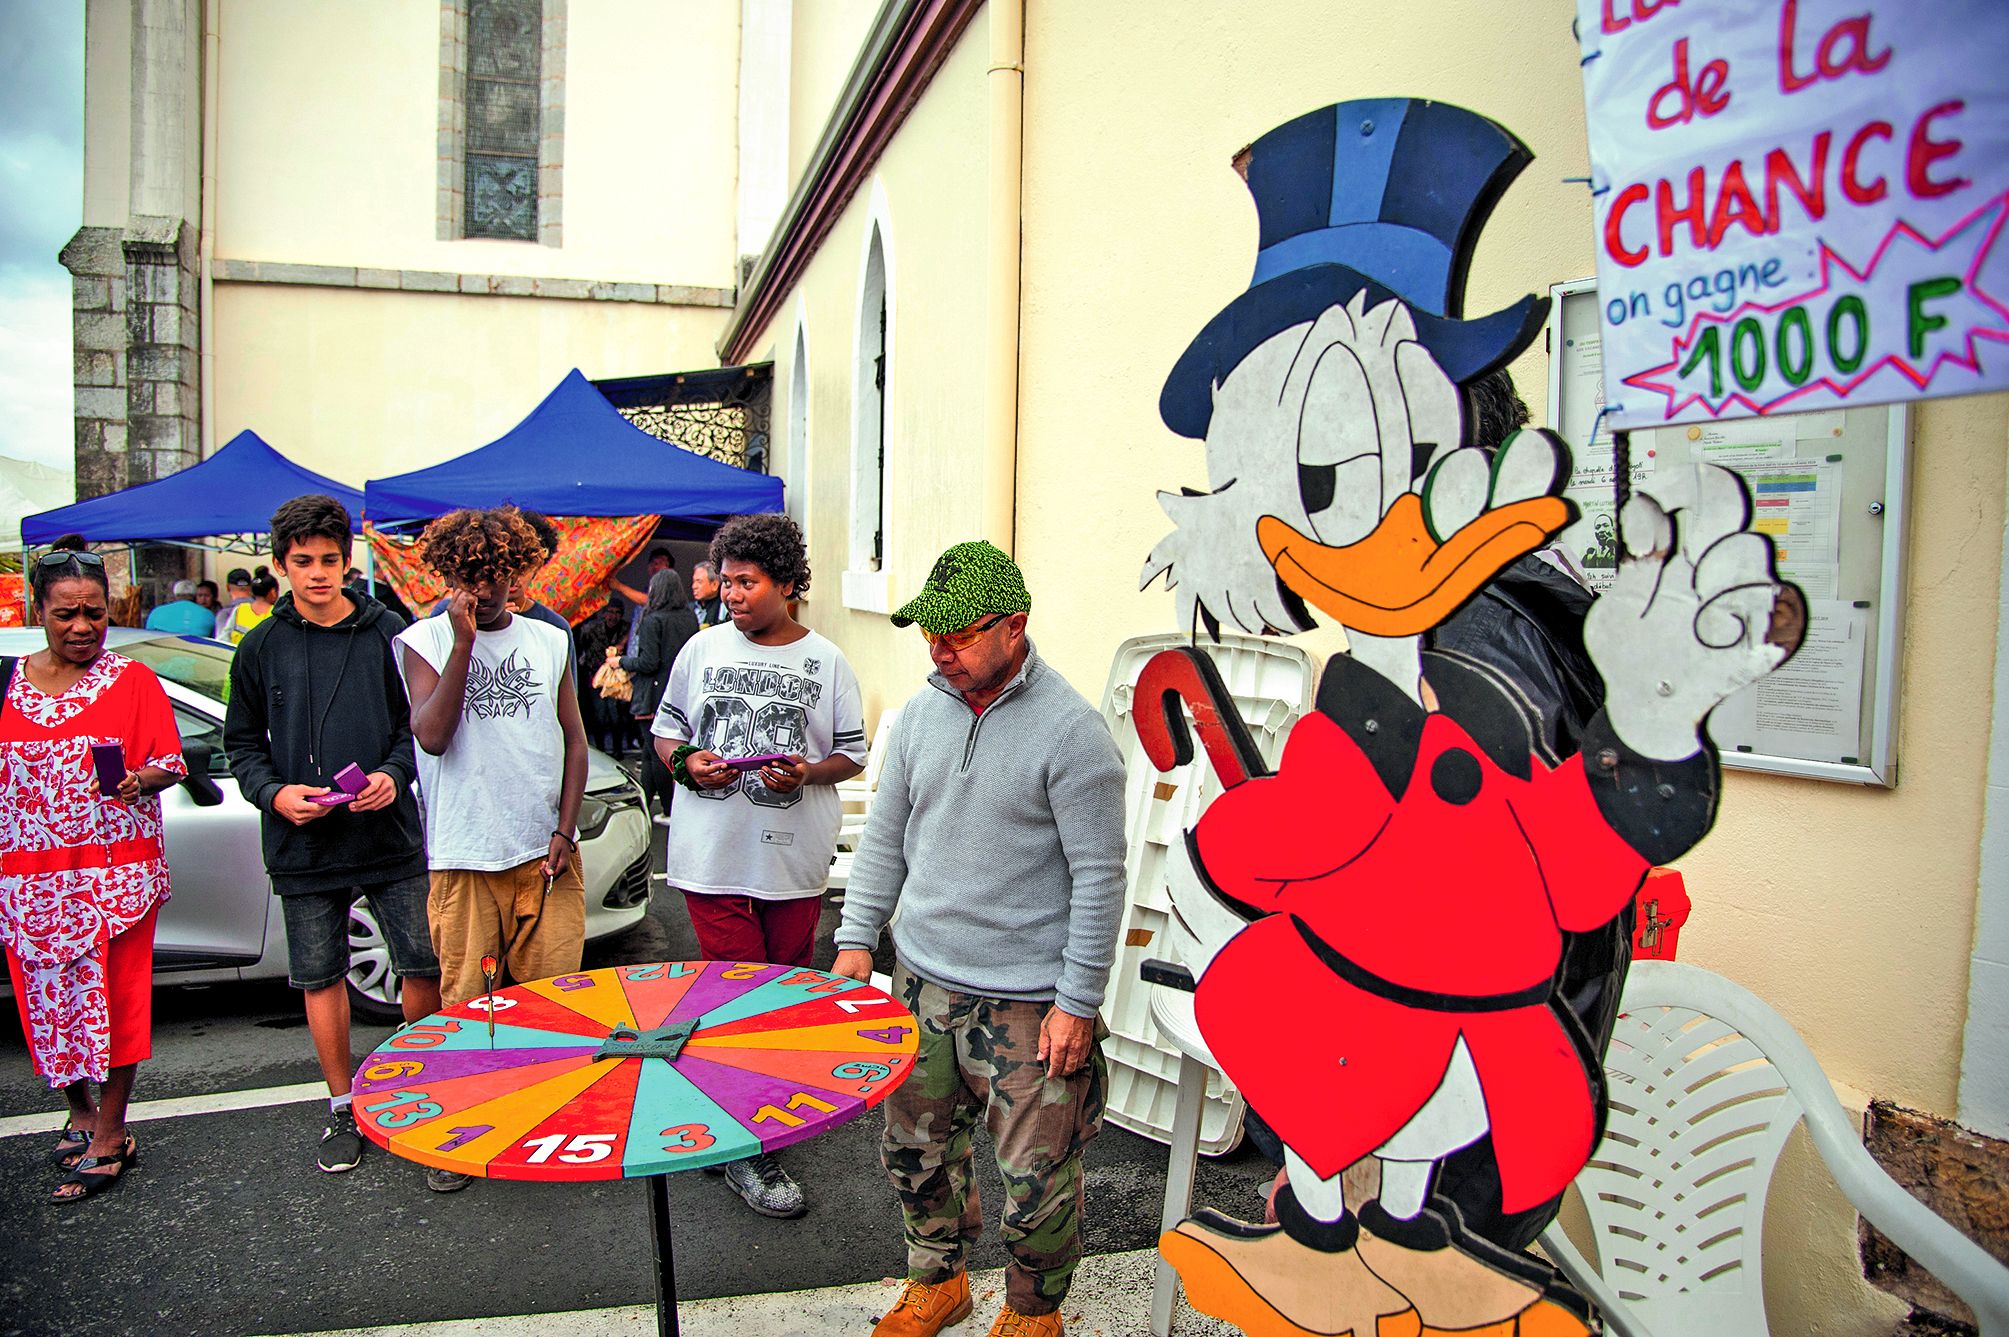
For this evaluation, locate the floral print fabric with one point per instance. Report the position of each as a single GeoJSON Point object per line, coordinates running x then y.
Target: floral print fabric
{"type": "Point", "coordinates": [77, 869]}
{"type": "Point", "coordinates": [590, 549]}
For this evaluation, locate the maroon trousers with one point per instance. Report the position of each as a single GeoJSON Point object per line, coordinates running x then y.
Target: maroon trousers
{"type": "Point", "coordinates": [741, 928]}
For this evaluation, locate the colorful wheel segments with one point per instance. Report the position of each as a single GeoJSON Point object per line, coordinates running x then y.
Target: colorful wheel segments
{"type": "Point", "coordinates": [777, 1054]}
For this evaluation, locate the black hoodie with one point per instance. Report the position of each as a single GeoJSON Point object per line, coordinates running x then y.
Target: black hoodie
{"type": "Point", "coordinates": [305, 701]}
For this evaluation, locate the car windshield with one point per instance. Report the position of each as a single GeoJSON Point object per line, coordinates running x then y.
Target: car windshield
{"type": "Point", "coordinates": [199, 665]}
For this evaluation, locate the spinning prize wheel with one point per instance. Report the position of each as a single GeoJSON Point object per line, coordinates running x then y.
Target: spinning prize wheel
{"type": "Point", "coordinates": [635, 1071]}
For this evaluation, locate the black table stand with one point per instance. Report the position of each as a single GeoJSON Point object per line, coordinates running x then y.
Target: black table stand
{"type": "Point", "coordinates": [666, 1269]}
{"type": "Point", "coordinates": [663, 1042]}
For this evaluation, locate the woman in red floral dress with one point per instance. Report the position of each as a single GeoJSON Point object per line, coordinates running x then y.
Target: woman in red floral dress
{"type": "Point", "coordinates": [82, 872]}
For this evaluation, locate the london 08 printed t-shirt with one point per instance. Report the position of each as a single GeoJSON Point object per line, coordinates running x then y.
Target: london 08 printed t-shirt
{"type": "Point", "coordinates": [738, 699]}
{"type": "Point", "coordinates": [492, 801]}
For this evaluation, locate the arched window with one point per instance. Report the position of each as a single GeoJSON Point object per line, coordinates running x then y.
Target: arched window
{"type": "Point", "coordinates": [798, 432]}
{"type": "Point", "coordinates": [868, 452]}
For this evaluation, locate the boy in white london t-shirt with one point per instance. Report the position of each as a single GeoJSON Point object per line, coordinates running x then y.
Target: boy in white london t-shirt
{"type": "Point", "coordinates": [750, 848]}
{"type": "Point", "coordinates": [501, 760]}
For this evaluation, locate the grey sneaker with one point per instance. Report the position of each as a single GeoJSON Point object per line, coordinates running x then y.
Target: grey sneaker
{"type": "Point", "coordinates": [445, 1181]}
{"type": "Point", "coordinates": [341, 1145]}
{"type": "Point", "coordinates": [766, 1187]}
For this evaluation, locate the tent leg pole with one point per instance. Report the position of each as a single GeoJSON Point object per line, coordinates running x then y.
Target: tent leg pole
{"type": "Point", "coordinates": [27, 589]}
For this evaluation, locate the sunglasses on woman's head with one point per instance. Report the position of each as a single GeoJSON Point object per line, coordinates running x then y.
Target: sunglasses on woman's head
{"type": "Point", "coordinates": [63, 557]}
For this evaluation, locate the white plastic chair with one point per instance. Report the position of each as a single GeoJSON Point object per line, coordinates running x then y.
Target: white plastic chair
{"type": "Point", "coordinates": [1705, 1084]}
{"type": "Point", "coordinates": [858, 790]}
{"type": "Point", "coordinates": [856, 796]}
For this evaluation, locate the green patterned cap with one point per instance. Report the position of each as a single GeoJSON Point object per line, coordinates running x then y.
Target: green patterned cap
{"type": "Point", "coordinates": [970, 580]}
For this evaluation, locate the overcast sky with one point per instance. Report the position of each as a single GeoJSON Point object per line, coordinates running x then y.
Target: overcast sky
{"type": "Point", "coordinates": [41, 203]}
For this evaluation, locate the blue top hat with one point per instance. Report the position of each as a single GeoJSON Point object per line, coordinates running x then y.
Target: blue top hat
{"type": "Point", "coordinates": [1385, 195]}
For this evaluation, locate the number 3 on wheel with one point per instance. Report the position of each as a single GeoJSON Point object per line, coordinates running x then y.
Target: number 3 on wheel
{"type": "Point", "coordinates": [688, 1137]}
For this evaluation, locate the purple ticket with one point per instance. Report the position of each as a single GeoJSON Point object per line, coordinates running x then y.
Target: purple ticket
{"type": "Point", "coordinates": [350, 782]}
{"type": "Point", "coordinates": [110, 761]}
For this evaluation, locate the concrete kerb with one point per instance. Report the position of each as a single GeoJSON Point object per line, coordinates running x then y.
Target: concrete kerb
{"type": "Point", "coordinates": [1111, 1298]}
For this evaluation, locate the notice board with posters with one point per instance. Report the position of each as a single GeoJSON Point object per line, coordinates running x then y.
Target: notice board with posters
{"type": "Point", "coordinates": [1829, 487]}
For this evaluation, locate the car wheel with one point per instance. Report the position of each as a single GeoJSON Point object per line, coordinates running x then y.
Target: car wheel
{"type": "Point", "coordinates": [375, 991]}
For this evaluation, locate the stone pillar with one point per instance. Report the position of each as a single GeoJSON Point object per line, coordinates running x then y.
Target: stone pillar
{"type": "Point", "coordinates": [163, 408]}
{"type": "Point", "coordinates": [97, 266]}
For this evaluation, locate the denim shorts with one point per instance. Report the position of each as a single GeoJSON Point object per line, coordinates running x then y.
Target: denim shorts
{"type": "Point", "coordinates": [317, 931]}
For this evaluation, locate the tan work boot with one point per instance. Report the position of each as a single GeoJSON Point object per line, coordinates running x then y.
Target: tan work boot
{"type": "Point", "coordinates": [924, 1310]}
{"type": "Point", "coordinates": [1011, 1323]}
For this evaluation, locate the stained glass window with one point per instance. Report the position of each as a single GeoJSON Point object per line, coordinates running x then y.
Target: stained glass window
{"type": "Point", "coordinates": [504, 64]}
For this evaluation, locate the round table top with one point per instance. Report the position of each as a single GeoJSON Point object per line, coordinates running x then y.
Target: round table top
{"type": "Point", "coordinates": [634, 1070]}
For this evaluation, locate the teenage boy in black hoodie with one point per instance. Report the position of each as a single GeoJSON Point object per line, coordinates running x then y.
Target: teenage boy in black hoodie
{"type": "Point", "coordinates": [313, 689]}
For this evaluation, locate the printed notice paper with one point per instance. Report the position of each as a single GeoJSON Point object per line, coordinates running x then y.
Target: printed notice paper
{"type": "Point", "coordinates": [1812, 707]}
{"type": "Point", "coordinates": [1800, 203]}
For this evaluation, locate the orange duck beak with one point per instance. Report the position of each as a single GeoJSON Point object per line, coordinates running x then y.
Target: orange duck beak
{"type": "Point", "coordinates": [1399, 580]}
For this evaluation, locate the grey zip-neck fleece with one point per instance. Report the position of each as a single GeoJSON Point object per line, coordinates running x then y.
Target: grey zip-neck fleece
{"type": "Point", "coordinates": [1000, 837]}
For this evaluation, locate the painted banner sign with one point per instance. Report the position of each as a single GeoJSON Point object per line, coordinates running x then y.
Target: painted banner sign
{"type": "Point", "coordinates": [1799, 202]}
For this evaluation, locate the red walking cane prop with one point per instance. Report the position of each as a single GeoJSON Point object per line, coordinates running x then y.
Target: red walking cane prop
{"type": "Point", "coordinates": [1187, 676]}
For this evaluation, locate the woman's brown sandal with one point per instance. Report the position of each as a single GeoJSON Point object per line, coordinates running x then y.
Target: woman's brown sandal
{"type": "Point", "coordinates": [127, 1159]}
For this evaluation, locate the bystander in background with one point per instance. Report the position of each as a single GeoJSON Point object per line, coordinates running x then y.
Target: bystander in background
{"type": "Point", "coordinates": [608, 723]}
{"type": "Point", "coordinates": [667, 625]}
{"type": "Point", "coordinates": [236, 590]}
{"type": "Point", "coordinates": [245, 616]}
{"type": "Point", "coordinates": [182, 615]}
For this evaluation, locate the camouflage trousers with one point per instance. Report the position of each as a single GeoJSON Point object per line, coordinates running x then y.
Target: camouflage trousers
{"type": "Point", "coordinates": [979, 1059]}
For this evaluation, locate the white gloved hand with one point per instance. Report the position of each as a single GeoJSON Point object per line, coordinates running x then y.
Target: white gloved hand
{"type": "Point", "coordinates": [1695, 614]}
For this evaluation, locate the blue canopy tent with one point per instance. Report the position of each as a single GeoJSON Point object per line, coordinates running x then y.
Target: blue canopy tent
{"type": "Point", "coordinates": [234, 491]}
{"type": "Point", "coordinates": [575, 455]}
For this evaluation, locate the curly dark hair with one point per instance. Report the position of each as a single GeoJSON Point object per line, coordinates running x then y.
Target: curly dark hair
{"type": "Point", "coordinates": [771, 542]}
{"type": "Point", "coordinates": [467, 547]}
{"type": "Point", "coordinates": [547, 533]}
{"type": "Point", "coordinates": [314, 516]}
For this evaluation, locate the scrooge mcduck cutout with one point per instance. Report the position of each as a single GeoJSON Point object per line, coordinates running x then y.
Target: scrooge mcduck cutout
{"type": "Point", "coordinates": [1375, 928]}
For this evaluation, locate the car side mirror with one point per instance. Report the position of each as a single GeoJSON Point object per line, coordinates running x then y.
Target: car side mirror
{"type": "Point", "coordinates": [202, 790]}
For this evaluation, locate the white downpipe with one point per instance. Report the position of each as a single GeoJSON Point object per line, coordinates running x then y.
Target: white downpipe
{"type": "Point", "coordinates": [1006, 81]}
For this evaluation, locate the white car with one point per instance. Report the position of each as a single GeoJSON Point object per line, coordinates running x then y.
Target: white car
{"type": "Point", "coordinates": [223, 923]}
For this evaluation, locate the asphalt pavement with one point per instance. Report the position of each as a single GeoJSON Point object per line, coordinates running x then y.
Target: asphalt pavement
{"type": "Point", "coordinates": [228, 1228]}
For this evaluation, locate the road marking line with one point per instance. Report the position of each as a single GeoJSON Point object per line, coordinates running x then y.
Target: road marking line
{"type": "Point", "coordinates": [180, 1107]}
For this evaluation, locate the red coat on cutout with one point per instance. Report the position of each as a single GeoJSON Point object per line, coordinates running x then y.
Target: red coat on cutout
{"type": "Point", "coordinates": [1398, 924]}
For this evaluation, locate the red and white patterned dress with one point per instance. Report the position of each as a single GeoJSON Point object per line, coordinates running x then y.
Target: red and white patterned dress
{"type": "Point", "coordinates": [77, 869]}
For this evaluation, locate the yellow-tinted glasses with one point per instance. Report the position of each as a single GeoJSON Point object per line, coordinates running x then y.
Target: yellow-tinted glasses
{"type": "Point", "coordinates": [967, 637]}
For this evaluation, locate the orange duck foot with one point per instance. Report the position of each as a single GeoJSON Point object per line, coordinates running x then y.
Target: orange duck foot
{"type": "Point", "coordinates": [1269, 1285]}
{"type": "Point", "coordinates": [1463, 1286]}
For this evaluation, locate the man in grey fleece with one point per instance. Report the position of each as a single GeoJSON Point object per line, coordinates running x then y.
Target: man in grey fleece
{"type": "Point", "coordinates": [998, 830]}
